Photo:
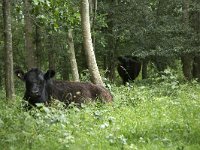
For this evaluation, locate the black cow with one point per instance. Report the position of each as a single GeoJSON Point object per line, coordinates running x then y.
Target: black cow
{"type": "Point", "coordinates": [128, 68]}
{"type": "Point", "coordinates": [40, 88]}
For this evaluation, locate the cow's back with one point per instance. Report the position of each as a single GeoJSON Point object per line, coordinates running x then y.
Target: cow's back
{"type": "Point", "coordinates": [79, 92]}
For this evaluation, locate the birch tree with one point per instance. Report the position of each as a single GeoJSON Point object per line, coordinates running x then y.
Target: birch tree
{"type": "Point", "coordinates": [72, 57]}
{"type": "Point", "coordinates": [87, 40]}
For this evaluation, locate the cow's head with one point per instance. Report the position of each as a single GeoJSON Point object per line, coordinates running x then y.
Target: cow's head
{"type": "Point", "coordinates": [122, 61]}
{"type": "Point", "coordinates": [37, 84]}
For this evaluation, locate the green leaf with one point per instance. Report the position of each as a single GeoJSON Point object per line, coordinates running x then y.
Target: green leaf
{"type": "Point", "coordinates": [35, 2]}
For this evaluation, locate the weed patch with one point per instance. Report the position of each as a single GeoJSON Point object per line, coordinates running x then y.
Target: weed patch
{"type": "Point", "coordinates": [160, 115]}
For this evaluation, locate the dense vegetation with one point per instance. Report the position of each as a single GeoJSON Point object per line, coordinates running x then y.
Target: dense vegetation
{"type": "Point", "coordinates": [161, 113]}
{"type": "Point", "coordinates": [161, 31]}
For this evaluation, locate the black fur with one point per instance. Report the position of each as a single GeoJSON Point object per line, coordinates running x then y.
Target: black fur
{"type": "Point", "coordinates": [40, 88]}
{"type": "Point", "coordinates": [128, 68]}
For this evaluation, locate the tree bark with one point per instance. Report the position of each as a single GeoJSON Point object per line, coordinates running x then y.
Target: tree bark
{"type": "Point", "coordinates": [93, 12]}
{"type": "Point", "coordinates": [196, 68]}
{"type": "Point", "coordinates": [111, 63]}
{"type": "Point", "coordinates": [187, 66]}
{"type": "Point", "coordinates": [87, 40]}
{"type": "Point", "coordinates": [144, 68]}
{"type": "Point", "coordinates": [71, 52]}
{"type": "Point", "coordinates": [187, 58]}
{"type": "Point", "coordinates": [195, 24]}
{"type": "Point", "coordinates": [9, 81]}
{"type": "Point", "coordinates": [91, 6]}
{"type": "Point", "coordinates": [38, 45]}
{"type": "Point", "coordinates": [112, 46]}
{"type": "Point", "coordinates": [51, 53]}
{"type": "Point", "coordinates": [65, 69]}
{"type": "Point", "coordinates": [29, 46]}
{"type": "Point", "coordinates": [112, 52]}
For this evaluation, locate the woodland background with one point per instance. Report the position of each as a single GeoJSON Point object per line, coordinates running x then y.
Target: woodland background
{"type": "Point", "coordinates": [162, 32]}
{"type": "Point", "coordinates": [160, 110]}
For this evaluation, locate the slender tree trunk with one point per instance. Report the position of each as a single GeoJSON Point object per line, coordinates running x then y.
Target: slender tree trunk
{"type": "Point", "coordinates": [112, 45]}
{"type": "Point", "coordinates": [29, 46]}
{"type": "Point", "coordinates": [82, 60]}
{"type": "Point", "coordinates": [38, 45]}
{"type": "Point", "coordinates": [111, 66]}
{"type": "Point", "coordinates": [197, 58]}
{"type": "Point", "coordinates": [186, 4]}
{"type": "Point", "coordinates": [72, 57]}
{"type": "Point", "coordinates": [91, 60]}
{"type": "Point", "coordinates": [91, 6]}
{"type": "Point", "coordinates": [144, 68]}
{"type": "Point", "coordinates": [187, 66]}
{"type": "Point", "coordinates": [1, 71]}
{"type": "Point", "coordinates": [195, 23]}
{"type": "Point", "coordinates": [9, 81]}
{"type": "Point", "coordinates": [93, 12]}
{"type": "Point", "coordinates": [105, 61]}
{"type": "Point", "coordinates": [51, 54]}
{"type": "Point", "coordinates": [111, 57]}
{"type": "Point", "coordinates": [187, 59]}
{"type": "Point", "coordinates": [51, 59]}
{"type": "Point", "coordinates": [196, 68]}
{"type": "Point", "coordinates": [65, 68]}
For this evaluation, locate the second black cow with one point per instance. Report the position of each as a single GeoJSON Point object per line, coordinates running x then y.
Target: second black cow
{"type": "Point", "coordinates": [40, 88]}
{"type": "Point", "coordinates": [128, 68]}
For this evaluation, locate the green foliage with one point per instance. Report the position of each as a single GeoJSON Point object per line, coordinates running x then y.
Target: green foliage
{"type": "Point", "coordinates": [143, 28]}
{"type": "Point", "coordinates": [154, 27]}
{"type": "Point", "coordinates": [144, 115]}
{"type": "Point", "coordinates": [60, 15]}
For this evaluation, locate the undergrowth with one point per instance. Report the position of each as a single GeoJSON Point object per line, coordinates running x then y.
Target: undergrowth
{"type": "Point", "coordinates": [154, 115]}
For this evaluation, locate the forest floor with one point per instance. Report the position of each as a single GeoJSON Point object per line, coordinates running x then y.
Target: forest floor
{"type": "Point", "coordinates": [154, 115]}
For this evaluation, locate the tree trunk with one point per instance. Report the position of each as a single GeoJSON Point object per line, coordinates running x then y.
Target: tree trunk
{"type": "Point", "coordinates": [113, 52]}
{"type": "Point", "coordinates": [29, 46]}
{"type": "Point", "coordinates": [186, 4]}
{"type": "Point", "coordinates": [91, 6]}
{"type": "Point", "coordinates": [38, 45]}
{"type": "Point", "coordinates": [196, 68]}
{"type": "Point", "coordinates": [72, 57]}
{"type": "Point", "coordinates": [187, 59]}
{"type": "Point", "coordinates": [51, 60]}
{"type": "Point", "coordinates": [87, 40]}
{"type": "Point", "coordinates": [93, 12]}
{"type": "Point", "coordinates": [1, 72]}
{"type": "Point", "coordinates": [51, 53]}
{"type": "Point", "coordinates": [144, 68]}
{"type": "Point", "coordinates": [65, 69]}
{"type": "Point", "coordinates": [111, 64]}
{"type": "Point", "coordinates": [112, 47]}
{"type": "Point", "coordinates": [9, 81]}
{"type": "Point", "coordinates": [195, 24]}
{"type": "Point", "coordinates": [82, 62]}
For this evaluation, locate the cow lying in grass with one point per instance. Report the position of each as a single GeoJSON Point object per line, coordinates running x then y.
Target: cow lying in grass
{"type": "Point", "coordinates": [40, 88]}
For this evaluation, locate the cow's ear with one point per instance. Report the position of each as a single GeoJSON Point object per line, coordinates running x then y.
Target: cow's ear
{"type": "Point", "coordinates": [49, 74]}
{"type": "Point", "coordinates": [120, 58]}
{"type": "Point", "coordinates": [20, 74]}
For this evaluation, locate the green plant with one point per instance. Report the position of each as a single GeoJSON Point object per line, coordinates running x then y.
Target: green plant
{"type": "Point", "coordinates": [158, 114]}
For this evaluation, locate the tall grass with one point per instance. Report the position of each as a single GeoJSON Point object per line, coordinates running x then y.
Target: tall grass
{"type": "Point", "coordinates": [152, 115]}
